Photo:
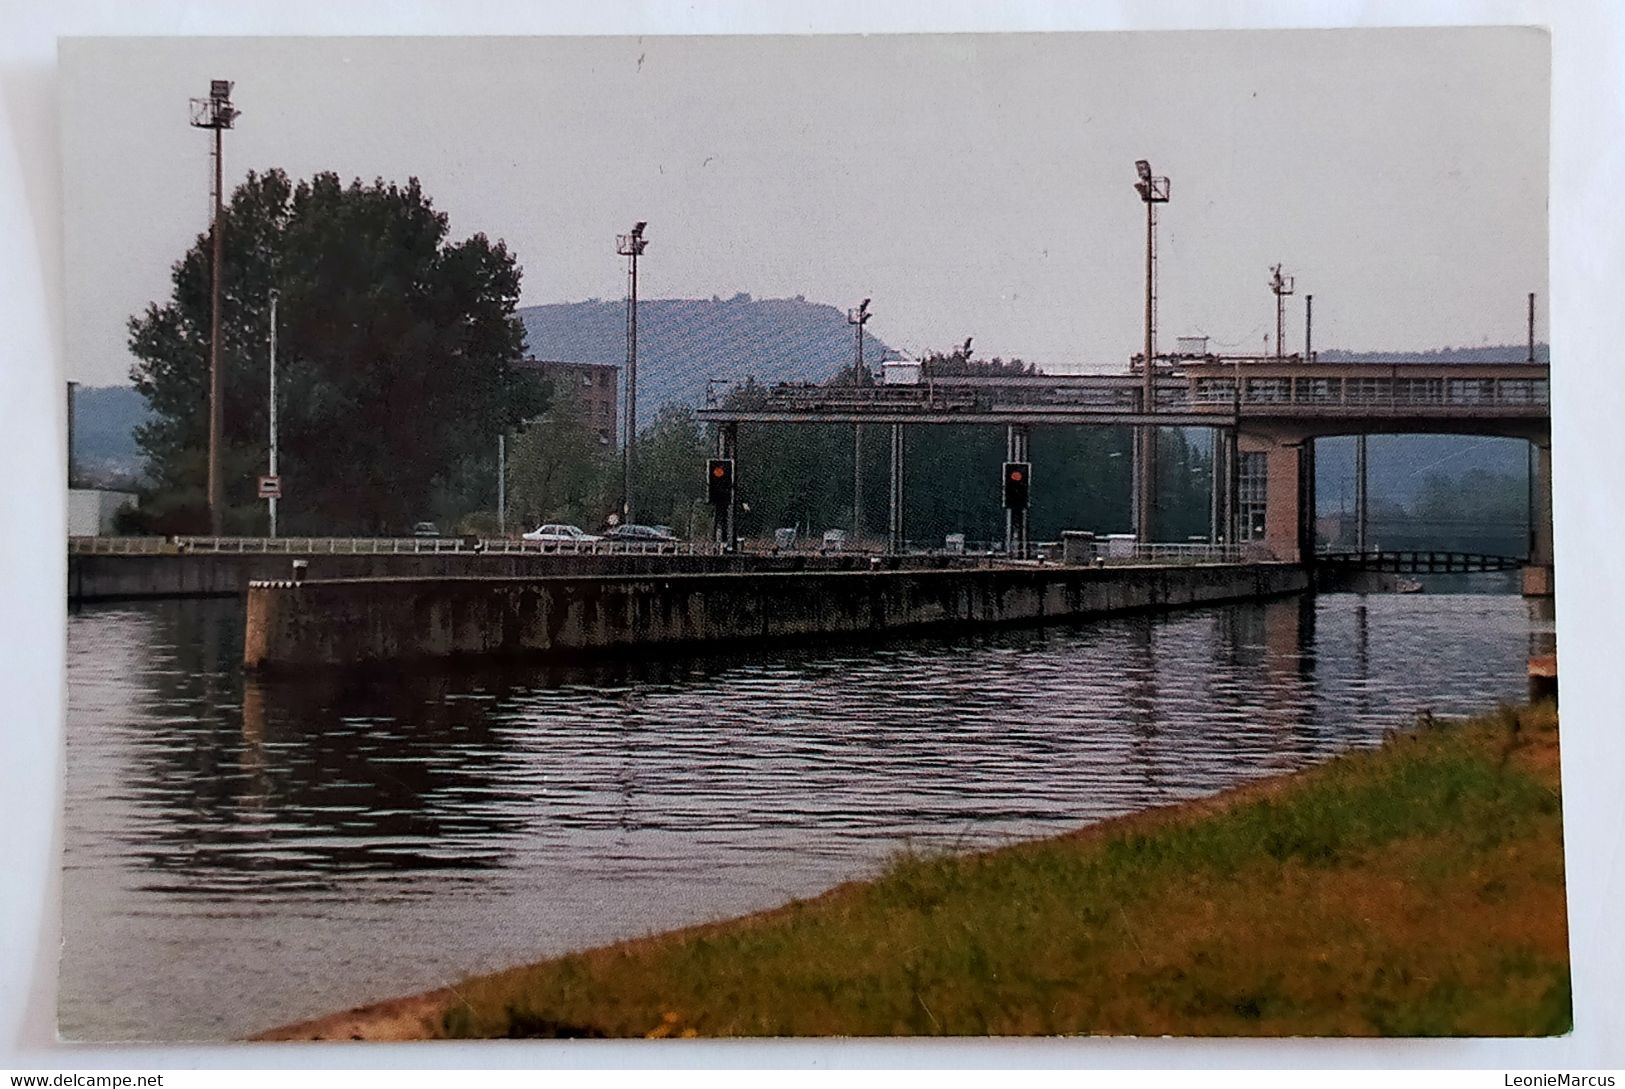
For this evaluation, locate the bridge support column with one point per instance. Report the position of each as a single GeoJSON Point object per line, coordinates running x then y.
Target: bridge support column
{"type": "Point", "coordinates": [1277, 468]}
{"type": "Point", "coordinates": [1015, 521]}
{"type": "Point", "coordinates": [1145, 483]}
{"type": "Point", "coordinates": [1538, 574]}
{"type": "Point", "coordinates": [1222, 488]}
{"type": "Point", "coordinates": [857, 483]}
{"type": "Point", "coordinates": [1361, 516]}
{"type": "Point", "coordinates": [896, 540]}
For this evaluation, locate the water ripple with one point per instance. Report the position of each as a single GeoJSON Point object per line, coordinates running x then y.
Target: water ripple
{"type": "Point", "coordinates": [340, 839]}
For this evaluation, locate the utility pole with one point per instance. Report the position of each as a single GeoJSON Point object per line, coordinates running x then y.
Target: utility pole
{"type": "Point", "coordinates": [631, 247]}
{"type": "Point", "coordinates": [502, 484]}
{"type": "Point", "coordinates": [1308, 328]}
{"type": "Point", "coordinates": [271, 499]}
{"type": "Point", "coordinates": [215, 112]}
{"type": "Point", "coordinates": [73, 391]}
{"type": "Point", "coordinates": [1153, 191]}
{"type": "Point", "coordinates": [860, 377]}
{"type": "Point", "coordinates": [1531, 327]}
{"type": "Point", "coordinates": [1282, 286]}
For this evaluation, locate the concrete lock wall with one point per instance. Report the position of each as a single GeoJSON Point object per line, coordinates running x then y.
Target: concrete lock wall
{"type": "Point", "coordinates": [361, 621]}
{"type": "Point", "coordinates": [108, 578]}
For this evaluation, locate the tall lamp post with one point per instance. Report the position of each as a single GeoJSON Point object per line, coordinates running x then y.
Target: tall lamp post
{"type": "Point", "coordinates": [858, 318]}
{"type": "Point", "coordinates": [215, 112]}
{"type": "Point", "coordinates": [1153, 190]}
{"type": "Point", "coordinates": [631, 247]}
{"type": "Point", "coordinates": [1282, 287]}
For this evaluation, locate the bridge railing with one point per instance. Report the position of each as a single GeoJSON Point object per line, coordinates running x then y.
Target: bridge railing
{"type": "Point", "coordinates": [1419, 561]}
{"type": "Point", "coordinates": [1375, 387]}
{"type": "Point", "coordinates": [373, 546]}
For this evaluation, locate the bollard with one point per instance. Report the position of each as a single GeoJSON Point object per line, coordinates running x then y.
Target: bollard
{"type": "Point", "coordinates": [299, 567]}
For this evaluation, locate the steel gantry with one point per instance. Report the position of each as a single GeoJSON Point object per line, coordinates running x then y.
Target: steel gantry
{"type": "Point", "coordinates": [1264, 412]}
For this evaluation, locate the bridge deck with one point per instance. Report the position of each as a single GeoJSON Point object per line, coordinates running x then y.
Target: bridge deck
{"type": "Point", "coordinates": [1206, 393]}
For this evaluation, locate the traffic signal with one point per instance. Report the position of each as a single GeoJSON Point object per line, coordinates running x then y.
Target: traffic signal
{"type": "Point", "coordinates": [1017, 476]}
{"type": "Point", "coordinates": [719, 481]}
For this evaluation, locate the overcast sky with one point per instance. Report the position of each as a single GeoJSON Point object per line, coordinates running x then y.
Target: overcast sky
{"type": "Point", "coordinates": [976, 185]}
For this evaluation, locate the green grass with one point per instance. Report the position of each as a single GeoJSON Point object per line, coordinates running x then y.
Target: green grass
{"type": "Point", "coordinates": [1412, 890]}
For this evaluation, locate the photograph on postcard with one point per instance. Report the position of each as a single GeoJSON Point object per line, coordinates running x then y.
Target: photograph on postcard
{"type": "Point", "coordinates": [891, 535]}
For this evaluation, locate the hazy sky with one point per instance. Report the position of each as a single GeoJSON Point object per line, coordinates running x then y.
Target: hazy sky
{"type": "Point", "coordinates": [973, 185]}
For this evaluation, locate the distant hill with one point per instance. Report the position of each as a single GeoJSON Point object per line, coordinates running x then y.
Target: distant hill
{"type": "Point", "coordinates": [1489, 353]}
{"type": "Point", "coordinates": [104, 423]}
{"type": "Point", "coordinates": [684, 342]}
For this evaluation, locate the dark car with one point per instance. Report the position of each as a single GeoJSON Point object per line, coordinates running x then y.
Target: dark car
{"type": "Point", "coordinates": [425, 529]}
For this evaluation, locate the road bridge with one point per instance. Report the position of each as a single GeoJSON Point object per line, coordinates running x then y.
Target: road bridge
{"type": "Point", "coordinates": [1266, 413]}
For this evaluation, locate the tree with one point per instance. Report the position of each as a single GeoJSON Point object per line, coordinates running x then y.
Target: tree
{"type": "Point", "coordinates": [670, 482]}
{"type": "Point", "coordinates": [559, 471]}
{"type": "Point", "coordinates": [398, 359]}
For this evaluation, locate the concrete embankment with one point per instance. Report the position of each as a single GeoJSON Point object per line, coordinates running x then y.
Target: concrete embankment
{"type": "Point", "coordinates": [357, 621]}
{"type": "Point", "coordinates": [102, 577]}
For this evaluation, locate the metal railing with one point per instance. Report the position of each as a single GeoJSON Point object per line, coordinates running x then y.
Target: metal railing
{"type": "Point", "coordinates": [1327, 388]}
{"type": "Point", "coordinates": [373, 546]}
{"type": "Point", "coordinates": [1171, 553]}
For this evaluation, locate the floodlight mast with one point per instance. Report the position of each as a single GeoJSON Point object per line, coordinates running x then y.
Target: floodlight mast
{"type": "Point", "coordinates": [215, 112]}
{"type": "Point", "coordinates": [858, 318]}
{"type": "Point", "coordinates": [631, 247]}
{"type": "Point", "coordinates": [1282, 287]}
{"type": "Point", "coordinates": [1153, 190]}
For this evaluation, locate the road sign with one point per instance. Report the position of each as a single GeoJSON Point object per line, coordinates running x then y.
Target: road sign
{"type": "Point", "coordinates": [270, 487]}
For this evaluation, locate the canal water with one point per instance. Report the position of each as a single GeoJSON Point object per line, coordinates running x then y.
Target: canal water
{"type": "Point", "coordinates": [240, 855]}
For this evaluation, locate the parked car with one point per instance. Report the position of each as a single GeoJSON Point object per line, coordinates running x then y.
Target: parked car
{"type": "Point", "coordinates": [645, 534]}
{"type": "Point", "coordinates": [561, 534]}
{"type": "Point", "coordinates": [834, 540]}
{"type": "Point", "coordinates": [425, 529]}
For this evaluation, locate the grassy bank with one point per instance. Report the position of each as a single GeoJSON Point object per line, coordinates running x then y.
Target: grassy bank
{"type": "Point", "coordinates": [1412, 890]}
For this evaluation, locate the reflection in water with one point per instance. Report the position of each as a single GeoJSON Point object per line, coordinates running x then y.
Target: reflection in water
{"type": "Point", "coordinates": [243, 855]}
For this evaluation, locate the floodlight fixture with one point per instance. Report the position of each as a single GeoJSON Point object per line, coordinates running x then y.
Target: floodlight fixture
{"type": "Point", "coordinates": [1280, 285]}
{"type": "Point", "coordinates": [215, 111]}
{"type": "Point", "coordinates": [1152, 189]}
{"type": "Point", "coordinates": [965, 348]}
{"type": "Point", "coordinates": [631, 245]}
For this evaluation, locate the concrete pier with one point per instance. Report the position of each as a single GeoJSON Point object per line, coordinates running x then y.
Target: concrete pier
{"type": "Point", "coordinates": [359, 621]}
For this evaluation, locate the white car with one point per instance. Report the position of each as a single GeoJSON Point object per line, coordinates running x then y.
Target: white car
{"type": "Point", "coordinates": [561, 535]}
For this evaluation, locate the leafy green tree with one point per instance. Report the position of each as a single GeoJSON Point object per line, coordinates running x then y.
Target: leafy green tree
{"type": "Point", "coordinates": [670, 484]}
{"type": "Point", "coordinates": [398, 359]}
{"type": "Point", "coordinates": [559, 471]}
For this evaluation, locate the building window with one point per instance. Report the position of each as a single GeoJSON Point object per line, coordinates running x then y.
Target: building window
{"type": "Point", "coordinates": [1268, 391]}
{"type": "Point", "coordinates": [1252, 493]}
{"type": "Point", "coordinates": [1319, 391]}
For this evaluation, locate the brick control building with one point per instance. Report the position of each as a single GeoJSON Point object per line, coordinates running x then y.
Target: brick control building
{"type": "Point", "coordinates": [594, 387]}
